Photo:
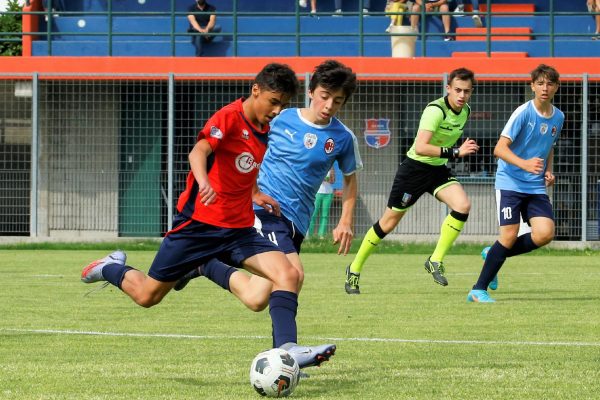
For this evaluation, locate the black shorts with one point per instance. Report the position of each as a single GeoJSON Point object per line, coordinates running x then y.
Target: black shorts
{"type": "Point", "coordinates": [191, 243]}
{"type": "Point", "coordinates": [414, 178]}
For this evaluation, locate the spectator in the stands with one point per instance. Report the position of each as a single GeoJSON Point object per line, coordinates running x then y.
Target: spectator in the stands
{"type": "Point", "coordinates": [203, 20]}
{"type": "Point", "coordinates": [395, 6]}
{"type": "Point", "coordinates": [594, 7]}
{"type": "Point", "coordinates": [338, 7]}
{"type": "Point", "coordinates": [460, 9]}
{"type": "Point", "coordinates": [313, 5]}
{"type": "Point", "coordinates": [432, 6]}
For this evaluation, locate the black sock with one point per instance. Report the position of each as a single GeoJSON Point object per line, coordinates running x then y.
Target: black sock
{"type": "Point", "coordinates": [114, 273]}
{"type": "Point", "coordinates": [524, 244]}
{"type": "Point", "coordinates": [493, 262]}
{"type": "Point", "coordinates": [218, 272]}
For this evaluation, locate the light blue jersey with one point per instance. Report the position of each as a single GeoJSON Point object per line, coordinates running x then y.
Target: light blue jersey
{"type": "Point", "coordinates": [299, 156]}
{"type": "Point", "coordinates": [532, 135]}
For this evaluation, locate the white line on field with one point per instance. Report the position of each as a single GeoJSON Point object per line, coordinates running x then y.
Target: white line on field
{"type": "Point", "coordinates": [332, 339]}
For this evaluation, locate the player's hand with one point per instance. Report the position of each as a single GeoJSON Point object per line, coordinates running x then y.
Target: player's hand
{"type": "Point", "coordinates": [534, 165]}
{"type": "Point", "coordinates": [549, 178]}
{"type": "Point", "coordinates": [206, 192]}
{"type": "Point", "coordinates": [469, 146]}
{"type": "Point", "coordinates": [267, 202]}
{"type": "Point", "coordinates": [343, 235]}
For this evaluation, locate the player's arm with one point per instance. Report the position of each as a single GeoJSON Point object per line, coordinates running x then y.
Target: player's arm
{"type": "Point", "coordinates": [343, 233]}
{"type": "Point", "coordinates": [502, 150]}
{"type": "Point", "coordinates": [198, 162]}
{"type": "Point", "coordinates": [265, 201]}
{"type": "Point", "coordinates": [549, 177]}
{"type": "Point", "coordinates": [424, 148]}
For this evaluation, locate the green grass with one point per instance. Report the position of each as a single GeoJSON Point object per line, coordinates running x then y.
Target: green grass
{"type": "Point", "coordinates": [403, 338]}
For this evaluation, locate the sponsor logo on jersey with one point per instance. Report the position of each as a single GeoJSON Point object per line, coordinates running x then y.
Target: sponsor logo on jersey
{"type": "Point", "coordinates": [377, 132]}
{"type": "Point", "coordinates": [543, 129]}
{"type": "Point", "coordinates": [216, 132]}
{"type": "Point", "coordinates": [310, 140]}
{"type": "Point", "coordinates": [245, 163]}
{"type": "Point", "coordinates": [245, 134]}
{"type": "Point", "coordinates": [329, 145]}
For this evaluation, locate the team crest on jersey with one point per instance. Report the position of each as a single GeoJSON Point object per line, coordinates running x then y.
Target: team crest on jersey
{"type": "Point", "coordinates": [245, 163]}
{"type": "Point", "coordinates": [245, 134]}
{"type": "Point", "coordinates": [329, 145]}
{"type": "Point", "coordinates": [310, 140]}
{"type": "Point", "coordinates": [543, 129]}
{"type": "Point", "coordinates": [377, 132]}
{"type": "Point", "coordinates": [554, 131]}
{"type": "Point", "coordinates": [216, 132]}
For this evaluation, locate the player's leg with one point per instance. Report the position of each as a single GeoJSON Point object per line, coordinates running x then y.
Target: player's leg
{"type": "Point", "coordinates": [456, 199]}
{"type": "Point", "coordinates": [509, 206]}
{"type": "Point", "coordinates": [454, 196]}
{"type": "Point", "coordinates": [414, 18]}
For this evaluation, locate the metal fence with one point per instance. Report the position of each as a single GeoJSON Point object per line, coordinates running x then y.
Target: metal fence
{"type": "Point", "coordinates": [92, 157]}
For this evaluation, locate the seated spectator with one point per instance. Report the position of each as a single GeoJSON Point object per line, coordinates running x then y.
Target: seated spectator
{"type": "Point", "coordinates": [594, 7]}
{"type": "Point", "coordinates": [338, 7]}
{"type": "Point", "coordinates": [202, 20]}
{"type": "Point", "coordinates": [460, 9]}
{"type": "Point", "coordinates": [313, 5]}
{"type": "Point", "coordinates": [432, 6]}
{"type": "Point", "coordinates": [395, 6]}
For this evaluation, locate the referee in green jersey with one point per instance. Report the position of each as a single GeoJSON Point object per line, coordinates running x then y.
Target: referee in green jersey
{"type": "Point", "coordinates": [425, 170]}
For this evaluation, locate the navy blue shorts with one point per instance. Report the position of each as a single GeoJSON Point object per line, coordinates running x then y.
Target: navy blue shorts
{"type": "Point", "coordinates": [514, 205]}
{"type": "Point", "coordinates": [191, 243]}
{"type": "Point", "coordinates": [279, 230]}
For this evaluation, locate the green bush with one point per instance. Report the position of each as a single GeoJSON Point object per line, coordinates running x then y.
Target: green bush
{"type": "Point", "coordinates": [11, 44]}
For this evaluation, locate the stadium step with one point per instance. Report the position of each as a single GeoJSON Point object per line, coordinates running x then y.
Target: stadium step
{"type": "Point", "coordinates": [516, 33]}
{"type": "Point", "coordinates": [506, 8]}
{"type": "Point", "coordinates": [493, 54]}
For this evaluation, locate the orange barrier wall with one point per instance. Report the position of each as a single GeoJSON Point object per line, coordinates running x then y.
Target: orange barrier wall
{"type": "Point", "coordinates": [251, 65]}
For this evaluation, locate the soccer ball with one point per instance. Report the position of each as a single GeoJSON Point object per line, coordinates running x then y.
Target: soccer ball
{"type": "Point", "coordinates": [274, 373]}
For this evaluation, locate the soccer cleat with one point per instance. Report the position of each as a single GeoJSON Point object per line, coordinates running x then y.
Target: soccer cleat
{"type": "Point", "coordinates": [494, 283]}
{"type": "Point", "coordinates": [479, 296]}
{"type": "Point", "coordinates": [183, 281]}
{"type": "Point", "coordinates": [459, 10]}
{"type": "Point", "coordinates": [477, 21]}
{"type": "Point", "coordinates": [93, 272]}
{"type": "Point", "coordinates": [310, 356]}
{"type": "Point", "coordinates": [302, 3]}
{"type": "Point", "coordinates": [437, 270]}
{"type": "Point", "coordinates": [351, 284]}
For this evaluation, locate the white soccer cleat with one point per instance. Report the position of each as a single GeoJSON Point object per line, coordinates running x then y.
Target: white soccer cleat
{"type": "Point", "coordinates": [93, 272]}
{"type": "Point", "coordinates": [309, 356]}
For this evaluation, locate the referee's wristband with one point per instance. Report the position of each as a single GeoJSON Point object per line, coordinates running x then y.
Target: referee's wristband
{"type": "Point", "coordinates": [449, 152]}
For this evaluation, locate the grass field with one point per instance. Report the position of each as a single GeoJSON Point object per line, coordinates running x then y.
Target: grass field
{"type": "Point", "coordinates": [403, 338]}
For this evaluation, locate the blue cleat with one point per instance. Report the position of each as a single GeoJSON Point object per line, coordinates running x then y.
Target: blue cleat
{"type": "Point", "coordinates": [309, 356]}
{"type": "Point", "coordinates": [93, 272]}
{"type": "Point", "coordinates": [479, 296]}
{"type": "Point", "coordinates": [494, 283]}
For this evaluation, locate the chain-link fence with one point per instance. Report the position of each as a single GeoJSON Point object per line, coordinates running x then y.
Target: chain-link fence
{"type": "Point", "coordinates": [89, 156]}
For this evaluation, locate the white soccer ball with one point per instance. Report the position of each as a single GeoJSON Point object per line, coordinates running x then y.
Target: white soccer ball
{"type": "Point", "coordinates": [274, 373]}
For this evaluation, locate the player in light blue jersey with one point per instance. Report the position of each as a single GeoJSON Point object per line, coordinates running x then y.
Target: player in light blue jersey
{"type": "Point", "coordinates": [303, 145]}
{"type": "Point", "coordinates": [525, 159]}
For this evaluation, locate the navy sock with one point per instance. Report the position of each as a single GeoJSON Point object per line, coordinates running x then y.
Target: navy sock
{"type": "Point", "coordinates": [283, 306]}
{"type": "Point", "coordinates": [523, 244]}
{"type": "Point", "coordinates": [493, 262]}
{"type": "Point", "coordinates": [114, 273]}
{"type": "Point", "coordinates": [218, 272]}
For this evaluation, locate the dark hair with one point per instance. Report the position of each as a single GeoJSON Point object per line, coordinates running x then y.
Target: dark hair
{"type": "Point", "coordinates": [333, 75]}
{"type": "Point", "coordinates": [278, 78]}
{"type": "Point", "coordinates": [462, 74]}
{"type": "Point", "coordinates": [545, 71]}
